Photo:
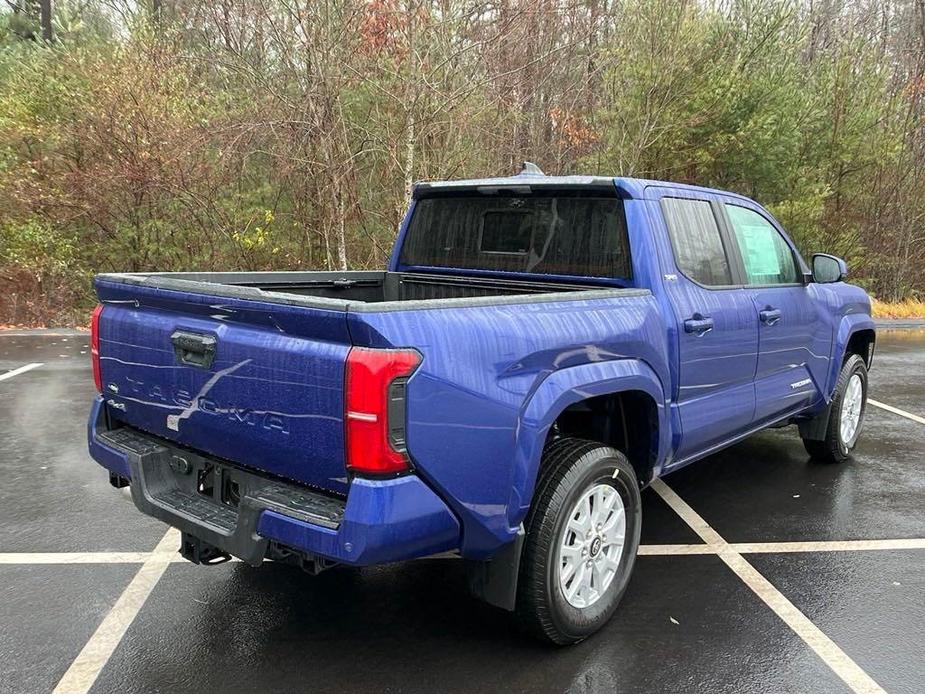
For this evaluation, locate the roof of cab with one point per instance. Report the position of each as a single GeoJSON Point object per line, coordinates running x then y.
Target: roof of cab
{"type": "Point", "coordinates": [531, 180]}
{"type": "Point", "coordinates": [629, 188]}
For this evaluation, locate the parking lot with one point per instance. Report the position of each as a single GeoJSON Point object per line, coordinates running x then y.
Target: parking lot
{"type": "Point", "coordinates": [760, 571]}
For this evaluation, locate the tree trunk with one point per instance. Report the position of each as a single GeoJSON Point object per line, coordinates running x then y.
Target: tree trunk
{"type": "Point", "coordinates": [45, 20]}
{"type": "Point", "coordinates": [341, 230]}
{"type": "Point", "coordinates": [409, 160]}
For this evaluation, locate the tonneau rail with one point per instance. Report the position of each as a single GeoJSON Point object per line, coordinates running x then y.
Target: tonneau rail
{"type": "Point", "coordinates": [235, 285]}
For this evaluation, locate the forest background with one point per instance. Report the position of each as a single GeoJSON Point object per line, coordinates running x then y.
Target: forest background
{"type": "Point", "coordinates": [285, 134]}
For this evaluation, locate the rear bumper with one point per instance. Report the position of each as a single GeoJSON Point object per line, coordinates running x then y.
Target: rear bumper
{"type": "Point", "coordinates": [381, 520]}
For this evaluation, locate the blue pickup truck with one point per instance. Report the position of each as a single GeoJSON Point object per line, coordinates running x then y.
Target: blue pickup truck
{"type": "Point", "coordinates": [538, 351]}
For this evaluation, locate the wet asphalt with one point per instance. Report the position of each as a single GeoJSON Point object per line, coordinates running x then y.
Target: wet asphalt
{"type": "Point", "coordinates": [687, 623]}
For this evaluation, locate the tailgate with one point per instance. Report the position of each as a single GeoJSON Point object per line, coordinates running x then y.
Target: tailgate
{"type": "Point", "coordinates": [257, 383]}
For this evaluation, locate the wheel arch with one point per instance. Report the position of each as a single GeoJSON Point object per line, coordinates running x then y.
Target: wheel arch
{"type": "Point", "coordinates": [862, 342]}
{"type": "Point", "coordinates": [627, 387]}
{"type": "Point", "coordinates": [856, 334]}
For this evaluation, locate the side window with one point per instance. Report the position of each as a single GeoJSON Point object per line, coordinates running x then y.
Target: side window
{"type": "Point", "coordinates": [767, 256]}
{"type": "Point", "coordinates": [698, 247]}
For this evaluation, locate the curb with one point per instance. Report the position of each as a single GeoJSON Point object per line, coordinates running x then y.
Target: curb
{"type": "Point", "coordinates": [48, 332]}
{"type": "Point", "coordinates": [900, 323]}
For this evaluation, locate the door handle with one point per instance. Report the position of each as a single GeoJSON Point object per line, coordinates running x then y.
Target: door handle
{"type": "Point", "coordinates": [194, 349]}
{"type": "Point", "coordinates": [698, 324]}
{"type": "Point", "coordinates": [769, 316]}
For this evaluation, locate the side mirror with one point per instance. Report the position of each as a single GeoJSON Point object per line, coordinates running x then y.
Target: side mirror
{"type": "Point", "coordinates": [828, 268]}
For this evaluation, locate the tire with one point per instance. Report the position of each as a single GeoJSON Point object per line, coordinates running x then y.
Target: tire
{"type": "Point", "coordinates": [571, 469]}
{"type": "Point", "coordinates": [839, 441]}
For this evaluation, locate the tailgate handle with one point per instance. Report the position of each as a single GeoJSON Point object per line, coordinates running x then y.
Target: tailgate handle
{"type": "Point", "coordinates": [194, 349]}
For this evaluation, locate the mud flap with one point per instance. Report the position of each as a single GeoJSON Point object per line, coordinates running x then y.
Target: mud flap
{"type": "Point", "coordinates": [495, 580]}
{"type": "Point", "coordinates": [814, 429]}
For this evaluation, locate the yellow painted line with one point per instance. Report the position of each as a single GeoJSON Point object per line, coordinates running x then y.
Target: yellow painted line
{"type": "Point", "coordinates": [833, 656]}
{"type": "Point", "coordinates": [896, 410]}
{"type": "Point", "coordinates": [83, 672]}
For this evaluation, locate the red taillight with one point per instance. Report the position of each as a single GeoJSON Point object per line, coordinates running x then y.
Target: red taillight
{"type": "Point", "coordinates": [374, 410]}
{"type": "Point", "coordinates": [95, 346]}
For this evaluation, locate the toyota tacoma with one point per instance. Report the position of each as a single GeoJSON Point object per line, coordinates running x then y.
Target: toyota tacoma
{"type": "Point", "coordinates": [539, 349]}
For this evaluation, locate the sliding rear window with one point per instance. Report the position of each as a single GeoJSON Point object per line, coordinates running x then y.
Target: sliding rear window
{"type": "Point", "coordinates": [552, 233]}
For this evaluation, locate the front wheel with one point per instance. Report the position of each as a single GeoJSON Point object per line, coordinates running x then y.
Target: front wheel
{"type": "Point", "coordinates": [846, 415]}
{"type": "Point", "coordinates": [581, 543]}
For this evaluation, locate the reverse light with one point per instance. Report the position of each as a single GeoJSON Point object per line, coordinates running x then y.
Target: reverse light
{"type": "Point", "coordinates": [95, 346]}
{"type": "Point", "coordinates": [374, 409]}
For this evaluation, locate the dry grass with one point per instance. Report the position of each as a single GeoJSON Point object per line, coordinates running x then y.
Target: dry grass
{"type": "Point", "coordinates": [910, 308]}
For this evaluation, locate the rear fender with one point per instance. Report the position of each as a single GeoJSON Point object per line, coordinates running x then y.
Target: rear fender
{"type": "Point", "coordinates": [561, 389]}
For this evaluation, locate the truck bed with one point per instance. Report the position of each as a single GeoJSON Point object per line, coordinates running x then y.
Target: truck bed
{"type": "Point", "coordinates": [342, 290]}
{"type": "Point", "coordinates": [248, 367]}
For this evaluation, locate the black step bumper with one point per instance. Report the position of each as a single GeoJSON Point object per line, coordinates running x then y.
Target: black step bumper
{"type": "Point", "coordinates": [380, 521]}
{"type": "Point", "coordinates": [218, 503]}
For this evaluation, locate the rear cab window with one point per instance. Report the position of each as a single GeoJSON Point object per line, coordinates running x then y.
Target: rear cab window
{"type": "Point", "coordinates": [698, 246]}
{"type": "Point", "coordinates": [550, 232]}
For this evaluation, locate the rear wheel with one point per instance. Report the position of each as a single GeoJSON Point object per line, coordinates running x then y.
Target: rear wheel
{"type": "Point", "coordinates": [846, 415]}
{"type": "Point", "coordinates": [581, 542]}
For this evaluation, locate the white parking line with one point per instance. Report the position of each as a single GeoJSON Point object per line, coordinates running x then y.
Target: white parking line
{"type": "Point", "coordinates": [783, 547]}
{"type": "Point", "coordinates": [834, 546]}
{"type": "Point", "coordinates": [833, 656]}
{"type": "Point", "coordinates": [896, 410]}
{"type": "Point", "coordinates": [13, 558]}
{"type": "Point", "coordinates": [83, 672]}
{"type": "Point", "coordinates": [74, 557]}
{"type": "Point", "coordinates": [20, 370]}
{"type": "Point", "coordinates": [674, 550]}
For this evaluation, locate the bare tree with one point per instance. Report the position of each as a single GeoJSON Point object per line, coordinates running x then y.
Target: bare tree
{"type": "Point", "coordinates": [45, 20]}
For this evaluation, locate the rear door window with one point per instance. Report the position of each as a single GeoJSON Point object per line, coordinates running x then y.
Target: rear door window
{"type": "Point", "coordinates": [695, 238]}
{"type": "Point", "coordinates": [767, 256]}
{"type": "Point", "coordinates": [549, 232]}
